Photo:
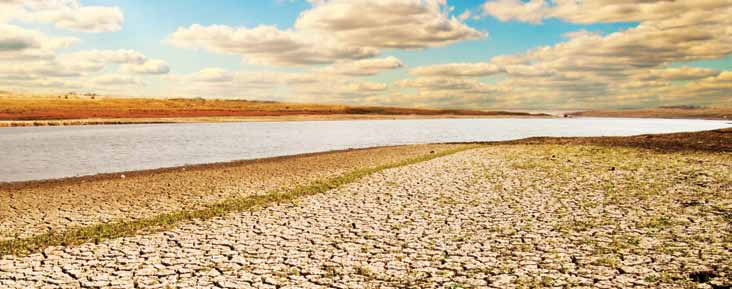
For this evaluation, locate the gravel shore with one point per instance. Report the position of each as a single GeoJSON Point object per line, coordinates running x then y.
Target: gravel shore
{"type": "Point", "coordinates": [509, 216]}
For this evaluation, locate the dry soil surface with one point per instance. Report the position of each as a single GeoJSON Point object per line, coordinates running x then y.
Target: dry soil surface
{"type": "Point", "coordinates": [32, 208]}
{"type": "Point", "coordinates": [518, 216]}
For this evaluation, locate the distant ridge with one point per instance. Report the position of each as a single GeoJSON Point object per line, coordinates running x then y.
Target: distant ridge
{"type": "Point", "coordinates": [677, 111]}
{"type": "Point", "coordinates": [113, 110]}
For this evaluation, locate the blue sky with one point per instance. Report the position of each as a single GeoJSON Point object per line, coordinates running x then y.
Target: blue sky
{"type": "Point", "coordinates": [505, 54]}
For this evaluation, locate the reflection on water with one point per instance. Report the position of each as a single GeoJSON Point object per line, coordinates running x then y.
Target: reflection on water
{"type": "Point", "coordinates": [29, 153]}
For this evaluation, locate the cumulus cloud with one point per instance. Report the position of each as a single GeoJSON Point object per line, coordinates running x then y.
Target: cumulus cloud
{"type": "Point", "coordinates": [284, 86]}
{"type": "Point", "coordinates": [222, 83]}
{"type": "Point", "coordinates": [362, 86]}
{"type": "Point", "coordinates": [632, 67]}
{"type": "Point", "coordinates": [152, 66]}
{"type": "Point", "coordinates": [458, 70]}
{"type": "Point", "coordinates": [446, 86]}
{"type": "Point", "coordinates": [85, 19]}
{"type": "Point", "coordinates": [679, 74]}
{"type": "Point", "coordinates": [212, 75]}
{"type": "Point", "coordinates": [482, 69]}
{"type": "Point", "coordinates": [17, 44]}
{"type": "Point", "coordinates": [387, 23]}
{"type": "Point", "coordinates": [340, 90]}
{"type": "Point", "coordinates": [333, 31]}
{"type": "Point", "coordinates": [32, 59]}
{"type": "Point", "coordinates": [15, 39]}
{"type": "Point", "coordinates": [116, 80]}
{"type": "Point", "coordinates": [80, 70]}
{"type": "Point", "coordinates": [593, 11]}
{"type": "Point", "coordinates": [267, 44]}
{"type": "Point", "coordinates": [95, 60]}
{"type": "Point", "coordinates": [364, 67]}
{"type": "Point", "coordinates": [533, 11]}
{"type": "Point", "coordinates": [67, 14]}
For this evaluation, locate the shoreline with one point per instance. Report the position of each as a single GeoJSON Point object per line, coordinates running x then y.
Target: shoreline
{"type": "Point", "coordinates": [719, 140]}
{"type": "Point", "coordinates": [50, 183]}
{"type": "Point", "coordinates": [297, 118]}
{"type": "Point", "coordinates": [284, 118]}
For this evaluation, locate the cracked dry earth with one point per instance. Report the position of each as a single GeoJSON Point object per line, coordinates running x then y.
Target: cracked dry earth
{"type": "Point", "coordinates": [514, 216]}
{"type": "Point", "coordinates": [32, 210]}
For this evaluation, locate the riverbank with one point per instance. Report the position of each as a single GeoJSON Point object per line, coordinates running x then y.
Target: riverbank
{"type": "Point", "coordinates": [531, 213]}
{"type": "Point", "coordinates": [330, 117]}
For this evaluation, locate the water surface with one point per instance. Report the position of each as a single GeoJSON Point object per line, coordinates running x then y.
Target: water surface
{"type": "Point", "coordinates": [32, 153]}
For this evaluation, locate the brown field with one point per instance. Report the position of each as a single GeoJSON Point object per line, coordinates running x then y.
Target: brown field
{"type": "Point", "coordinates": [74, 110]}
{"type": "Point", "coordinates": [664, 112]}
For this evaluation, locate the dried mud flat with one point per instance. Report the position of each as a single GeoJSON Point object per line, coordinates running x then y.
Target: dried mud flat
{"type": "Point", "coordinates": [499, 216]}
{"type": "Point", "coordinates": [32, 208]}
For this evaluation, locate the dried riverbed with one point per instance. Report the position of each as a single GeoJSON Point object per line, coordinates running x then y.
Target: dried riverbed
{"type": "Point", "coordinates": [506, 216]}
{"type": "Point", "coordinates": [29, 209]}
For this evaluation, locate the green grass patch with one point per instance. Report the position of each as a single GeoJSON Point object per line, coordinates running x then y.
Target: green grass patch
{"type": "Point", "coordinates": [100, 232]}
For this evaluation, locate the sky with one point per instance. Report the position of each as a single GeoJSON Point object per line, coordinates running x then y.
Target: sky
{"type": "Point", "coordinates": [475, 54]}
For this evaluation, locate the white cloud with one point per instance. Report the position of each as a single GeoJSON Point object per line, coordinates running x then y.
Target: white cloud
{"type": "Point", "coordinates": [17, 44]}
{"type": "Point", "coordinates": [80, 70]}
{"type": "Point", "coordinates": [16, 39]}
{"type": "Point", "coordinates": [364, 67]}
{"type": "Point", "coordinates": [84, 19]}
{"type": "Point", "coordinates": [67, 14]}
{"type": "Point", "coordinates": [529, 71]}
{"type": "Point", "coordinates": [431, 84]}
{"type": "Point", "coordinates": [212, 75]}
{"type": "Point", "coordinates": [387, 23]}
{"type": "Point", "coordinates": [116, 80]}
{"type": "Point", "coordinates": [214, 82]}
{"type": "Point", "coordinates": [267, 44]}
{"type": "Point", "coordinates": [458, 70]}
{"type": "Point", "coordinates": [679, 74]}
{"type": "Point", "coordinates": [363, 86]}
{"type": "Point", "coordinates": [96, 60]}
{"type": "Point", "coordinates": [533, 11]}
{"type": "Point", "coordinates": [333, 31]}
{"type": "Point", "coordinates": [339, 90]}
{"type": "Point", "coordinates": [152, 66]}
{"type": "Point", "coordinates": [593, 11]}
{"type": "Point", "coordinates": [632, 67]}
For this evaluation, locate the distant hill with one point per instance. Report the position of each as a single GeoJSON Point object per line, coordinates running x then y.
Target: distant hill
{"type": "Point", "coordinates": [75, 107]}
{"type": "Point", "coordinates": [681, 111]}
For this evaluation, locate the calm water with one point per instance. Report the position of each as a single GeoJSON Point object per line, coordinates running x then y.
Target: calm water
{"type": "Point", "coordinates": [30, 153]}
